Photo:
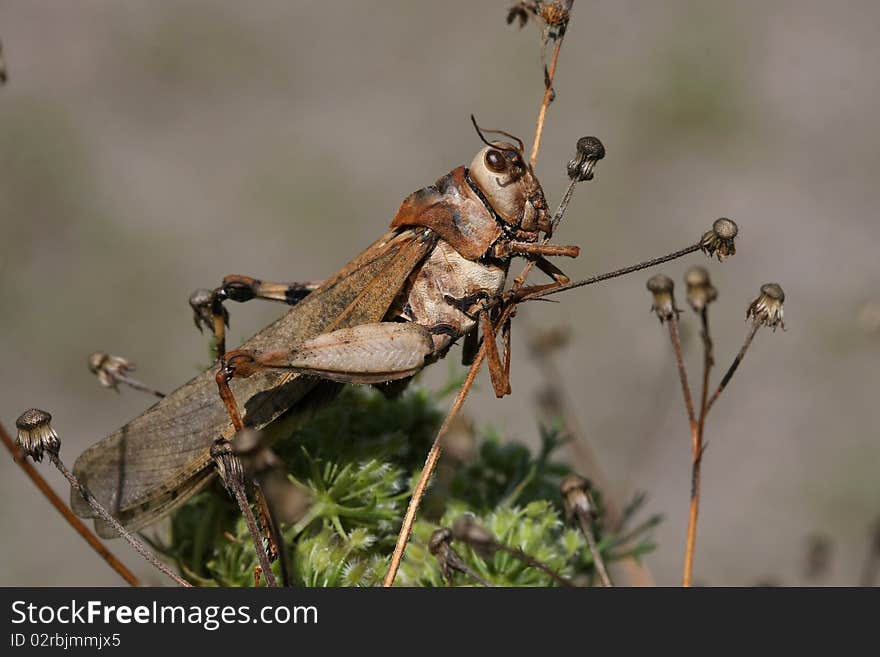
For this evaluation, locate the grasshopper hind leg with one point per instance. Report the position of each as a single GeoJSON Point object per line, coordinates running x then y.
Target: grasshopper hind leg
{"type": "Point", "coordinates": [375, 353]}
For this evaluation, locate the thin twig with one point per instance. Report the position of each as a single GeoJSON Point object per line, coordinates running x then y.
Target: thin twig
{"type": "Point", "coordinates": [142, 387]}
{"type": "Point", "coordinates": [585, 522]}
{"type": "Point", "coordinates": [132, 540]}
{"type": "Point", "coordinates": [527, 296]}
{"type": "Point", "coordinates": [753, 329]}
{"type": "Point", "coordinates": [78, 525]}
{"type": "Point", "coordinates": [708, 362]}
{"type": "Point", "coordinates": [273, 532]}
{"type": "Point", "coordinates": [256, 536]}
{"type": "Point", "coordinates": [534, 563]}
{"type": "Point", "coordinates": [545, 102]}
{"type": "Point", "coordinates": [682, 372]}
{"type": "Point", "coordinates": [549, 92]}
{"type": "Point", "coordinates": [696, 454]}
{"type": "Point", "coordinates": [428, 470]}
{"type": "Point", "coordinates": [693, 513]}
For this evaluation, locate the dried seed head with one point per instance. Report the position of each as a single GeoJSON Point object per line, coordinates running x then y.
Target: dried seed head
{"type": "Point", "coordinates": [589, 151]}
{"type": "Point", "coordinates": [439, 538]}
{"type": "Point", "coordinates": [466, 529]}
{"type": "Point", "coordinates": [229, 466]}
{"type": "Point", "coordinates": [555, 13]}
{"type": "Point", "coordinates": [3, 76]}
{"type": "Point", "coordinates": [720, 240]}
{"type": "Point", "coordinates": [767, 308]}
{"type": "Point", "coordinates": [700, 291]}
{"type": "Point", "coordinates": [109, 369]}
{"type": "Point", "coordinates": [661, 287]}
{"type": "Point", "coordinates": [36, 435]}
{"type": "Point", "coordinates": [575, 489]}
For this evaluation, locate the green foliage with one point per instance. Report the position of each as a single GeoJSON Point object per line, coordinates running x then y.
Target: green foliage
{"type": "Point", "coordinates": [358, 457]}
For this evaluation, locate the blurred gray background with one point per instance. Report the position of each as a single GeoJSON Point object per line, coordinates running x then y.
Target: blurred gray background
{"type": "Point", "coordinates": [147, 149]}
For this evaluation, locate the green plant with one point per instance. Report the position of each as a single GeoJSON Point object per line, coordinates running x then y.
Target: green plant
{"type": "Point", "coordinates": [358, 459]}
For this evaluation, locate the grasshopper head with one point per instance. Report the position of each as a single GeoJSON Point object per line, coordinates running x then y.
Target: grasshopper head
{"type": "Point", "coordinates": [507, 181]}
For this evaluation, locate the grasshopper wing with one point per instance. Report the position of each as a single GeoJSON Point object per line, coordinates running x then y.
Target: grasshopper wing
{"type": "Point", "coordinates": [161, 458]}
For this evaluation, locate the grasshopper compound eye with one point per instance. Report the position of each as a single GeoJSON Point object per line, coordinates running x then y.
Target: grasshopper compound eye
{"type": "Point", "coordinates": [495, 161]}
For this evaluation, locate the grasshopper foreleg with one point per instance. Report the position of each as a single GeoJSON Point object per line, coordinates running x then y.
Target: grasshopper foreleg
{"type": "Point", "coordinates": [209, 311]}
{"type": "Point", "coordinates": [240, 288]}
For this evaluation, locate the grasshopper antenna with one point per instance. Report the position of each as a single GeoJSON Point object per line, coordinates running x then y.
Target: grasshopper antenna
{"type": "Point", "coordinates": [480, 132]}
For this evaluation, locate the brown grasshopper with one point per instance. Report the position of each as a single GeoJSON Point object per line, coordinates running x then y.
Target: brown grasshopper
{"type": "Point", "coordinates": [396, 307]}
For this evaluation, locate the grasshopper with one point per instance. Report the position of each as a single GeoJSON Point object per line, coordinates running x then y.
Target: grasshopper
{"type": "Point", "coordinates": [397, 307]}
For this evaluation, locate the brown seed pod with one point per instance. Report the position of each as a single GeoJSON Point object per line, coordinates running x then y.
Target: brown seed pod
{"type": "Point", "coordinates": [574, 489]}
{"type": "Point", "coordinates": [661, 287]}
{"type": "Point", "coordinates": [555, 13]}
{"type": "Point", "coordinates": [767, 308]}
{"type": "Point", "coordinates": [589, 151]}
{"type": "Point", "coordinates": [700, 291]}
{"type": "Point", "coordinates": [36, 435]}
{"type": "Point", "coordinates": [109, 369]}
{"type": "Point", "coordinates": [720, 240]}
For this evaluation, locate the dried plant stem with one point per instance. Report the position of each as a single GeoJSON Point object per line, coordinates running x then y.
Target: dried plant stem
{"type": "Point", "coordinates": [696, 455]}
{"type": "Point", "coordinates": [538, 294]}
{"type": "Point", "coordinates": [534, 563]}
{"type": "Point", "coordinates": [132, 540]}
{"type": "Point", "coordinates": [78, 525]}
{"type": "Point", "coordinates": [467, 570]}
{"type": "Point", "coordinates": [708, 363]}
{"type": "Point", "coordinates": [549, 93]}
{"type": "Point", "coordinates": [682, 372]}
{"type": "Point", "coordinates": [137, 385]}
{"type": "Point", "coordinates": [753, 329]}
{"type": "Point", "coordinates": [273, 533]}
{"type": "Point", "coordinates": [585, 521]}
{"type": "Point", "coordinates": [428, 470]}
{"type": "Point", "coordinates": [545, 101]}
{"type": "Point", "coordinates": [256, 536]}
